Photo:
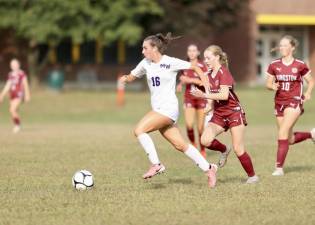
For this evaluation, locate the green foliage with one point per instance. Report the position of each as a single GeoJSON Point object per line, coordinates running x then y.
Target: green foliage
{"type": "Point", "coordinates": [196, 17]}
{"type": "Point", "coordinates": [53, 20]}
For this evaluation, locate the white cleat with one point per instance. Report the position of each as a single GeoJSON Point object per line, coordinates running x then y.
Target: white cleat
{"type": "Point", "coordinates": [313, 135]}
{"type": "Point", "coordinates": [224, 156]}
{"type": "Point", "coordinates": [252, 180]}
{"type": "Point", "coordinates": [278, 172]}
{"type": "Point", "coordinates": [16, 129]}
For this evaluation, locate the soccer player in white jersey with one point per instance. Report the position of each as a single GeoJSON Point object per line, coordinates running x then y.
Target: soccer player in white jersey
{"type": "Point", "coordinates": [161, 71]}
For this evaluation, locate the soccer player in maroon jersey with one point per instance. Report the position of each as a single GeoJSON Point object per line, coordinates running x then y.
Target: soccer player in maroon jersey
{"type": "Point", "coordinates": [193, 106]}
{"type": "Point", "coordinates": [285, 77]}
{"type": "Point", "coordinates": [18, 89]}
{"type": "Point", "coordinates": [228, 113]}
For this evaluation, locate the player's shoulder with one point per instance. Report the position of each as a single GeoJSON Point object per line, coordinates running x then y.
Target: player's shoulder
{"type": "Point", "coordinates": [275, 62]}
{"type": "Point", "coordinates": [299, 62]}
{"type": "Point", "coordinates": [224, 71]}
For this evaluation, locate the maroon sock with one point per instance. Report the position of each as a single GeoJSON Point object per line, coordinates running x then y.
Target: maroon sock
{"type": "Point", "coordinates": [247, 164]}
{"type": "Point", "coordinates": [16, 121]}
{"type": "Point", "coordinates": [217, 146]}
{"type": "Point", "coordinates": [191, 135]}
{"type": "Point", "coordinates": [283, 147]}
{"type": "Point", "coordinates": [301, 136]}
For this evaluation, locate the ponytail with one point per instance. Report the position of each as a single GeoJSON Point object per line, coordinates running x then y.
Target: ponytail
{"type": "Point", "coordinates": [161, 41]}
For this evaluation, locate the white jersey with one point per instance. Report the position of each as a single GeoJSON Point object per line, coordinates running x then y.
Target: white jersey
{"type": "Point", "coordinates": [161, 78]}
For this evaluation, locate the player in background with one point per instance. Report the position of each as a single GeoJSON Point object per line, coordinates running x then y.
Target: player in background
{"type": "Point", "coordinates": [18, 89]}
{"type": "Point", "coordinates": [228, 113]}
{"type": "Point", "coordinates": [285, 77]}
{"type": "Point", "coordinates": [193, 107]}
{"type": "Point", "coordinates": [161, 71]}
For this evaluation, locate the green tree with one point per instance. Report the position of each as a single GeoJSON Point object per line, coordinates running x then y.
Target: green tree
{"type": "Point", "coordinates": [195, 16]}
{"type": "Point", "coordinates": [50, 21]}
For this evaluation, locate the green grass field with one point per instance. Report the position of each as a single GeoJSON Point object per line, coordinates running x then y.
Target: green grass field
{"type": "Point", "coordinates": [85, 130]}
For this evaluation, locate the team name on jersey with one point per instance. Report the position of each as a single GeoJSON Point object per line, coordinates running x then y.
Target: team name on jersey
{"type": "Point", "coordinates": [286, 77]}
{"type": "Point", "coordinates": [166, 66]}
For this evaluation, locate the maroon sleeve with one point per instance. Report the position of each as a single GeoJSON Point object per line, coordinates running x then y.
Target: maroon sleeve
{"type": "Point", "coordinates": [271, 70]}
{"type": "Point", "coordinates": [304, 69]}
{"type": "Point", "coordinates": [226, 78]}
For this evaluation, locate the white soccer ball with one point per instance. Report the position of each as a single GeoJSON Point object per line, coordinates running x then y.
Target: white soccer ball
{"type": "Point", "coordinates": [82, 180]}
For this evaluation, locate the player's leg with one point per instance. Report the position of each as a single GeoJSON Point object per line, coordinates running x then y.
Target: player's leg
{"type": "Point", "coordinates": [200, 125]}
{"type": "Point", "coordinates": [190, 114]}
{"type": "Point", "coordinates": [14, 106]}
{"type": "Point", "coordinates": [285, 125]}
{"type": "Point", "coordinates": [173, 135]}
{"type": "Point", "coordinates": [208, 139]}
{"type": "Point", "coordinates": [237, 133]}
{"type": "Point", "coordinates": [150, 122]}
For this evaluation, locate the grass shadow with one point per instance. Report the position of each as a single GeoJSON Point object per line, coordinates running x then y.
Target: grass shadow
{"type": "Point", "coordinates": [180, 181]}
{"type": "Point", "coordinates": [228, 180]}
{"type": "Point", "coordinates": [291, 169]}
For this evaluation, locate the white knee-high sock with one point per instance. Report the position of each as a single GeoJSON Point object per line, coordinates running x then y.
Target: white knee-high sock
{"type": "Point", "coordinates": [195, 155]}
{"type": "Point", "coordinates": [148, 146]}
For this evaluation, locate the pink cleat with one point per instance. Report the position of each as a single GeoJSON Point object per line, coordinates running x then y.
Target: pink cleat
{"type": "Point", "coordinates": [154, 170]}
{"type": "Point", "coordinates": [211, 174]}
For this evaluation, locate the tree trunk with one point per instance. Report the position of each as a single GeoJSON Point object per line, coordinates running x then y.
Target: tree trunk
{"type": "Point", "coordinates": [32, 60]}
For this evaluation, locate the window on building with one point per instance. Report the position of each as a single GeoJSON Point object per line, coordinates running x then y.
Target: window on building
{"type": "Point", "coordinates": [64, 52]}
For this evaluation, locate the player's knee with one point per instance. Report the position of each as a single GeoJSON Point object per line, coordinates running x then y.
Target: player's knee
{"type": "Point", "coordinates": [238, 149]}
{"type": "Point", "coordinates": [206, 140]}
{"type": "Point", "coordinates": [137, 131]}
{"type": "Point", "coordinates": [12, 110]}
{"type": "Point", "coordinates": [283, 133]}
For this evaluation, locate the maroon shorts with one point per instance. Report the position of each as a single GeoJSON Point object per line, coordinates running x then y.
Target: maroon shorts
{"type": "Point", "coordinates": [196, 103]}
{"type": "Point", "coordinates": [16, 94]}
{"type": "Point", "coordinates": [235, 118]}
{"type": "Point", "coordinates": [280, 107]}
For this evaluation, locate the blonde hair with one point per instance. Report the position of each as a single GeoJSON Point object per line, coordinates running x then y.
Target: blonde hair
{"type": "Point", "coordinates": [217, 51]}
{"type": "Point", "coordinates": [293, 42]}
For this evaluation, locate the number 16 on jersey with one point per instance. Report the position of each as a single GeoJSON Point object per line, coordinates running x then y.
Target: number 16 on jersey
{"type": "Point", "coordinates": [155, 81]}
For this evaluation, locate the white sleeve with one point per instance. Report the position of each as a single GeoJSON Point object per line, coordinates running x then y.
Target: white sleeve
{"type": "Point", "coordinates": [178, 64]}
{"type": "Point", "coordinates": [139, 71]}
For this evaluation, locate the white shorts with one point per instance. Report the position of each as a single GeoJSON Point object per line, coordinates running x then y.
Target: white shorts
{"type": "Point", "coordinates": [170, 112]}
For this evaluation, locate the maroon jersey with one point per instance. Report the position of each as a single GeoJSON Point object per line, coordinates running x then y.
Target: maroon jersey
{"type": "Point", "coordinates": [16, 80]}
{"type": "Point", "coordinates": [192, 74]}
{"type": "Point", "coordinates": [224, 77]}
{"type": "Point", "coordinates": [290, 79]}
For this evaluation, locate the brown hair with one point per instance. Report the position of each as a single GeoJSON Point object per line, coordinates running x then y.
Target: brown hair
{"type": "Point", "coordinates": [193, 44]}
{"type": "Point", "coordinates": [293, 42]}
{"type": "Point", "coordinates": [160, 41]}
{"type": "Point", "coordinates": [217, 51]}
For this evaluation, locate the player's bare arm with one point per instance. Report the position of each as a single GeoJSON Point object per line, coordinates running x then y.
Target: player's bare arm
{"type": "Point", "coordinates": [187, 80]}
{"type": "Point", "coordinates": [26, 89]}
{"type": "Point", "coordinates": [5, 90]}
{"type": "Point", "coordinates": [127, 78]}
{"type": "Point", "coordinates": [203, 77]}
{"type": "Point", "coordinates": [271, 84]}
{"type": "Point", "coordinates": [310, 85]}
{"type": "Point", "coordinates": [223, 94]}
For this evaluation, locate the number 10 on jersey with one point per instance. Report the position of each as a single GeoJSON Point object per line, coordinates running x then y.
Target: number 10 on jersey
{"type": "Point", "coordinates": [285, 86]}
{"type": "Point", "coordinates": [155, 81]}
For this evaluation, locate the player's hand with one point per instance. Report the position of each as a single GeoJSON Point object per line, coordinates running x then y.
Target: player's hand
{"type": "Point", "coordinates": [197, 93]}
{"type": "Point", "coordinates": [27, 98]}
{"type": "Point", "coordinates": [123, 79]}
{"type": "Point", "coordinates": [307, 96]}
{"type": "Point", "coordinates": [185, 79]}
{"type": "Point", "coordinates": [275, 86]}
{"type": "Point", "coordinates": [207, 109]}
{"type": "Point", "coordinates": [179, 88]}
